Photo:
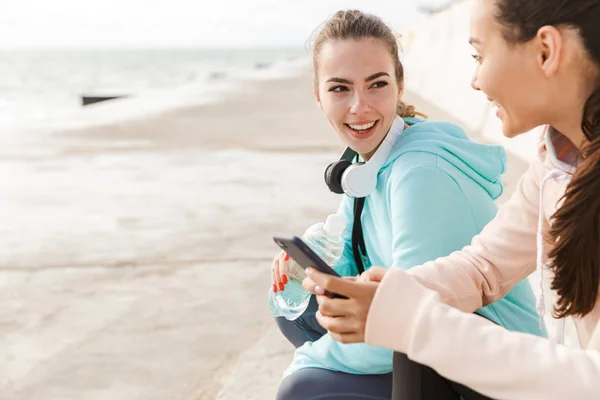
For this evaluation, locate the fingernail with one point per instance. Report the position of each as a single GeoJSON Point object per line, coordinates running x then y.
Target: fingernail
{"type": "Point", "coordinates": [281, 286]}
{"type": "Point", "coordinates": [284, 279]}
{"type": "Point", "coordinates": [308, 270]}
{"type": "Point", "coordinates": [274, 288]}
{"type": "Point", "coordinates": [319, 290]}
{"type": "Point", "coordinates": [286, 257]}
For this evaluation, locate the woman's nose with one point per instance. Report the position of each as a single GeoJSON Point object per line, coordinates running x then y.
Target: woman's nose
{"type": "Point", "coordinates": [360, 104]}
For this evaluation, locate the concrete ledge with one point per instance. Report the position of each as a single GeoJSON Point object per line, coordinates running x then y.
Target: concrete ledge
{"type": "Point", "coordinates": [257, 373]}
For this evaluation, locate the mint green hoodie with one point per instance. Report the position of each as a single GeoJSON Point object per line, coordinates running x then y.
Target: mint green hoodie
{"type": "Point", "coordinates": [435, 192]}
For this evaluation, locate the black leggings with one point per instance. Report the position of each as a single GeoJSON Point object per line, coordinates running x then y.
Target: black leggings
{"type": "Point", "coordinates": [414, 381]}
{"type": "Point", "coordinates": [411, 381]}
{"type": "Point", "coordinates": [322, 384]}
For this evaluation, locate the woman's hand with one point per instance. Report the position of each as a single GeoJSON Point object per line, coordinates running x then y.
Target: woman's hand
{"type": "Point", "coordinates": [280, 271]}
{"type": "Point", "coordinates": [373, 274]}
{"type": "Point", "coordinates": [345, 319]}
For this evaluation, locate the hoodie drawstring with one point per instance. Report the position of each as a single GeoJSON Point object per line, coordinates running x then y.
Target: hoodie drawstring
{"type": "Point", "coordinates": [562, 177]}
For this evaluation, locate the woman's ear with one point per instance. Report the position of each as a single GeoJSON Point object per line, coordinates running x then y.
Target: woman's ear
{"type": "Point", "coordinates": [550, 48]}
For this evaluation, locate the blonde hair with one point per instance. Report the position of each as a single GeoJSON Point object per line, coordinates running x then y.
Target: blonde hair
{"type": "Point", "coordinates": [355, 24]}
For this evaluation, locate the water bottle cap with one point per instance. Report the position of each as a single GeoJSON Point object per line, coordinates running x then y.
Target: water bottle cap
{"type": "Point", "coordinates": [335, 225]}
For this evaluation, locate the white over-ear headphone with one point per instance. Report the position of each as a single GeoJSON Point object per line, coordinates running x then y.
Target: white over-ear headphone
{"type": "Point", "coordinates": [360, 179]}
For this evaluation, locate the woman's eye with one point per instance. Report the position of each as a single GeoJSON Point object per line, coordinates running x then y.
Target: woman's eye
{"type": "Point", "coordinates": [477, 58]}
{"type": "Point", "coordinates": [379, 84]}
{"type": "Point", "coordinates": [338, 89]}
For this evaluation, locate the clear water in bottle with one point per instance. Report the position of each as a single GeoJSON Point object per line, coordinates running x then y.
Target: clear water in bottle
{"type": "Point", "coordinates": [325, 239]}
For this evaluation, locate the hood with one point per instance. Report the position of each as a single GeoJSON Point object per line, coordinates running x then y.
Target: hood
{"type": "Point", "coordinates": [483, 163]}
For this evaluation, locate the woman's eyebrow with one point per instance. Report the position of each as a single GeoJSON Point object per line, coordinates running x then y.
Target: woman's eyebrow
{"type": "Point", "coordinates": [339, 80]}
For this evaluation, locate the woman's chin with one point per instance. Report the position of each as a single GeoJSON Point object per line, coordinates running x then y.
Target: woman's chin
{"type": "Point", "coordinates": [507, 132]}
{"type": "Point", "coordinates": [510, 130]}
{"type": "Point", "coordinates": [361, 148]}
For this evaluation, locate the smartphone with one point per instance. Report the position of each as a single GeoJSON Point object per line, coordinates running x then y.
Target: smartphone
{"type": "Point", "coordinates": [305, 257]}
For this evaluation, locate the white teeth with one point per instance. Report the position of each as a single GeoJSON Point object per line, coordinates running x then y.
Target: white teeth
{"type": "Point", "coordinates": [363, 127]}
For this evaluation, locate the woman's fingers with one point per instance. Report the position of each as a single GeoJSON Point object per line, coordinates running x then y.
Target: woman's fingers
{"type": "Point", "coordinates": [334, 284]}
{"type": "Point", "coordinates": [338, 325]}
{"type": "Point", "coordinates": [309, 285]}
{"type": "Point", "coordinates": [274, 267]}
{"type": "Point", "coordinates": [334, 307]}
{"type": "Point", "coordinates": [278, 271]}
{"type": "Point", "coordinates": [345, 319]}
{"type": "Point", "coordinates": [373, 274]}
{"type": "Point", "coordinates": [333, 324]}
{"type": "Point", "coordinates": [342, 329]}
{"type": "Point", "coordinates": [277, 262]}
{"type": "Point", "coordinates": [284, 267]}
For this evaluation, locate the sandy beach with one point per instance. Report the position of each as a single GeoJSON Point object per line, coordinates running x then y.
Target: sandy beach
{"type": "Point", "coordinates": [135, 256]}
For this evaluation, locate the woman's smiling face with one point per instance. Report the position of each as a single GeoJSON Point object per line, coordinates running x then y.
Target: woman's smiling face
{"type": "Point", "coordinates": [358, 91]}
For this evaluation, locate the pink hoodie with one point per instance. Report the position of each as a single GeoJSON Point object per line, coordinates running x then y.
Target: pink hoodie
{"type": "Point", "coordinates": [468, 349]}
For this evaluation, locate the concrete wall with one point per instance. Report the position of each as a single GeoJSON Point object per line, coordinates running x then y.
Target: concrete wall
{"type": "Point", "coordinates": [439, 67]}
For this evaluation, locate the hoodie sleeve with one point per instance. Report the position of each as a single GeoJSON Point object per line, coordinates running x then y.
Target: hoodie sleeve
{"type": "Point", "coordinates": [346, 266]}
{"type": "Point", "coordinates": [503, 254]}
{"type": "Point", "coordinates": [472, 351]}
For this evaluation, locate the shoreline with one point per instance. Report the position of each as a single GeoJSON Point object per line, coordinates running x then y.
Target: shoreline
{"type": "Point", "coordinates": [214, 85]}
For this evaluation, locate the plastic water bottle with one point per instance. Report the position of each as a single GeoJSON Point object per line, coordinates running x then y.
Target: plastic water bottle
{"type": "Point", "coordinates": [325, 239]}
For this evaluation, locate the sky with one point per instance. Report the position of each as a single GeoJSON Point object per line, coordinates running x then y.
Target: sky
{"type": "Point", "coordinates": [179, 23]}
